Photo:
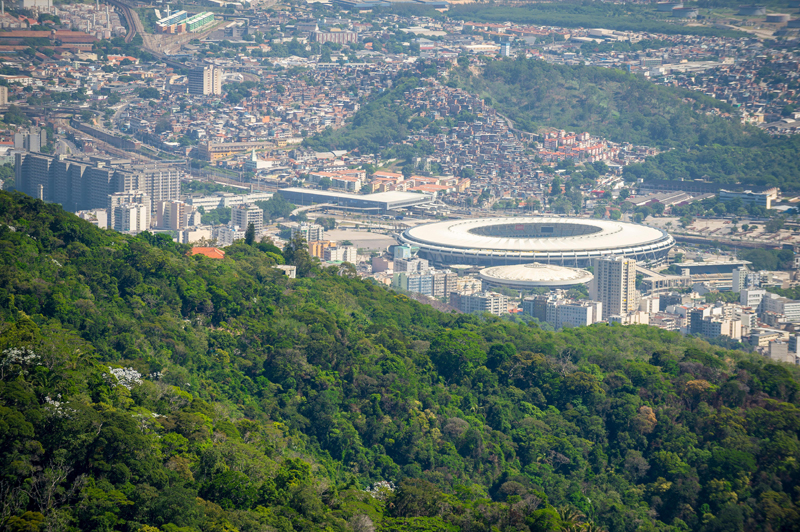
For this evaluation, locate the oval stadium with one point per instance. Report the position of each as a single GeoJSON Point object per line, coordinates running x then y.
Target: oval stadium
{"type": "Point", "coordinates": [533, 275]}
{"type": "Point", "coordinates": [551, 240]}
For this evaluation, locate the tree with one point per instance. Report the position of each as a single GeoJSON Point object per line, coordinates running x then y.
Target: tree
{"type": "Point", "coordinates": [296, 254]}
{"type": "Point", "coordinates": [149, 93]}
{"type": "Point", "coordinates": [327, 223]}
{"type": "Point", "coordinates": [624, 193]}
{"type": "Point", "coordinates": [162, 124]}
{"type": "Point", "coordinates": [456, 354]}
{"type": "Point", "coordinates": [555, 187]}
{"type": "Point", "coordinates": [250, 234]}
{"type": "Point", "coordinates": [417, 498]}
{"type": "Point", "coordinates": [562, 205]}
{"type": "Point", "coordinates": [774, 225]}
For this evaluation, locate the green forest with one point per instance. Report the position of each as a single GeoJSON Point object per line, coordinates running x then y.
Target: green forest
{"type": "Point", "coordinates": [145, 390]}
{"type": "Point", "coordinates": [383, 119]}
{"type": "Point", "coordinates": [773, 162]}
{"type": "Point", "coordinates": [379, 123]}
{"type": "Point", "coordinates": [604, 101]}
{"type": "Point", "coordinates": [627, 108]}
{"type": "Point", "coordinates": [587, 14]}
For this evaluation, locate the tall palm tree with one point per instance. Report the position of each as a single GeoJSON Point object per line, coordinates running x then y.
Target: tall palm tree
{"type": "Point", "coordinates": [570, 516]}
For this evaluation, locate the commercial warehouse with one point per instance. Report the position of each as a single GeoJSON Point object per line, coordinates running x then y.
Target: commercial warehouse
{"type": "Point", "coordinates": [378, 203]}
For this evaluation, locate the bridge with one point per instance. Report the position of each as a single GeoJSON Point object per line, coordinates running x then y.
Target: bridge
{"type": "Point", "coordinates": [313, 208]}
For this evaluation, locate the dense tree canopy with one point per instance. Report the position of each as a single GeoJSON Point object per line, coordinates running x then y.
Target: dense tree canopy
{"type": "Point", "coordinates": [143, 389]}
{"type": "Point", "coordinates": [603, 101]}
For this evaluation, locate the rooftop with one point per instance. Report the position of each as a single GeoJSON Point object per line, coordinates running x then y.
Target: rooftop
{"type": "Point", "coordinates": [535, 274]}
{"type": "Point", "coordinates": [535, 234]}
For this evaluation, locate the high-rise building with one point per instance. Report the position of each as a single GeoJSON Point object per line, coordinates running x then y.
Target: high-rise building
{"type": "Point", "coordinates": [444, 282]}
{"type": "Point", "coordinates": [573, 313]}
{"type": "Point", "coordinates": [536, 306]}
{"type": "Point", "coordinates": [244, 215]}
{"type": "Point", "coordinates": [410, 265]}
{"type": "Point", "coordinates": [751, 298]}
{"type": "Point", "coordinates": [129, 211]}
{"type": "Point", "coordinates": [340, 254]}
{"type": "Point", "coordinates": [311, 232]}
{"type": "Point", "coordinates": [3, 95]}
{"type": "Point", "coordinates": [696, 317]}
{"type": "Point", "coordinates": [172, 215]}
{"type": "Point", "coordinates": [739, 279]}
{"type": "Point", "coordinates": [418, 282]}
{"type": "Point", "coordinates": [205, 80]}
{"type": "Point", "coordinates": [85, 183]}
{"type": "Point", "coordinates": [226, 235]}
{"type": "Point", "coordinates": [490, 302]}
{"type": "Point", "coordinates": [317, 248]}
{"type": "Point", "coordinates": [615, 285]}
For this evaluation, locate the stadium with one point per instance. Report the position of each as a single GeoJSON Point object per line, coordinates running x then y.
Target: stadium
{"type": "Point", "coordinates": [533, 275]}
{"type": "Point", "coordinates": [549, 240]}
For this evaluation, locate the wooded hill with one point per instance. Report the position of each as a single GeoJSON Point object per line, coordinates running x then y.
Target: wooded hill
{"type": "Point", "coordinates": [142, 389]}
{"type": "Point", "coordinates": [606, 102]}
{"type": "Point", "coordinates": [626, 108]}
{"type": "Point", "coordinates": [587, 14]}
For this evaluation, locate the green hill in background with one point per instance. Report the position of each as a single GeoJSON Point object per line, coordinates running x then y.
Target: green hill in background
{"type": "Point", "coordinates": [143, 390]}
{"type": "Point", "coordinates": [605, 102]}
{"type": "Point", "coordinates": [627, 108]}
{"type": "Point", "coordinates": [587, 14]}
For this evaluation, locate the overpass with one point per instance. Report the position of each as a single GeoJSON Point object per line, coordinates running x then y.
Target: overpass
{"type": "Point", "coordinates": [308, 208]}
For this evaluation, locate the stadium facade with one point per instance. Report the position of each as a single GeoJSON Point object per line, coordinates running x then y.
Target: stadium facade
{"type": "Point", "coordinates": [571, 242]}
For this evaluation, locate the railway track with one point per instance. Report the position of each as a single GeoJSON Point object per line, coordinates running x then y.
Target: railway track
{"type": "Point", "coordinates": [134, 24]}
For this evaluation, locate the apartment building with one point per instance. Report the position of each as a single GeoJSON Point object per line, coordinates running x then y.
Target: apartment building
{"type": "Point", "coordinates": [614, 285]}
{"type": "Point", "coordinates": [244, 215]}
{"type": "Point", "coordinates": [85, 183]}
{"type": "Point", "coordinates": [340, 254]}
{"type": "Point", "coordinates": [490, 302]}
{"type": "Point", "coordinates": [205, 80]}
{"type": "Point", "coordinates": [129, 211]}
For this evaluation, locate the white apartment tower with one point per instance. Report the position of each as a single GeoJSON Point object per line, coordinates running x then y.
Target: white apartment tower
{"type": "Point", "coordinates": [615, 285]}
{"type": "Point", "coordinates": [129, 211]}
{"type": "Point", "coordinates": [244, 215]}
{"type": "Point", "coordinates": [172, 215]}
{"type": "Point", "coordinates": [739, 279]}
{"type": "Point", "coordinates": [205, 80]}
{"type": "Point", "coordinates": [311, 232]}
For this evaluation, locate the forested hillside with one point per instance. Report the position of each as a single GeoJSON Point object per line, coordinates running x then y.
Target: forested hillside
{"type": "Point", "coordinates": [144, 390]}
{"type": "Point", "coordinates": [627, 108]}
{"type": "Point", "coordinates": [772, 164]}
{"type": "Point", "coordinates": [587, 14]}
{"type": "Point", "coordinates": [380, 122]}
{"type": "Point", "coordinates": [604, 101]}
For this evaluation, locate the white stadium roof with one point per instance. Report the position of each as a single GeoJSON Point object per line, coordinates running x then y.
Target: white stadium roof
{"type": "Point", "coordinates": [535, 275]}
{"type": "Point", "coordinates": [572, 241]}
{"type": "Point", "coordinates": [606, 234]}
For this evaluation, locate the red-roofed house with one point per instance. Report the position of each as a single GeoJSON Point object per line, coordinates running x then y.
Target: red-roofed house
{"type": "Point", "coordinates": [212, 253]}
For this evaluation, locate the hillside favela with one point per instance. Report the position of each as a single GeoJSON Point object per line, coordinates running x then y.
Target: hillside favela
{"type": "Point", "coordinates": [399, 266]}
